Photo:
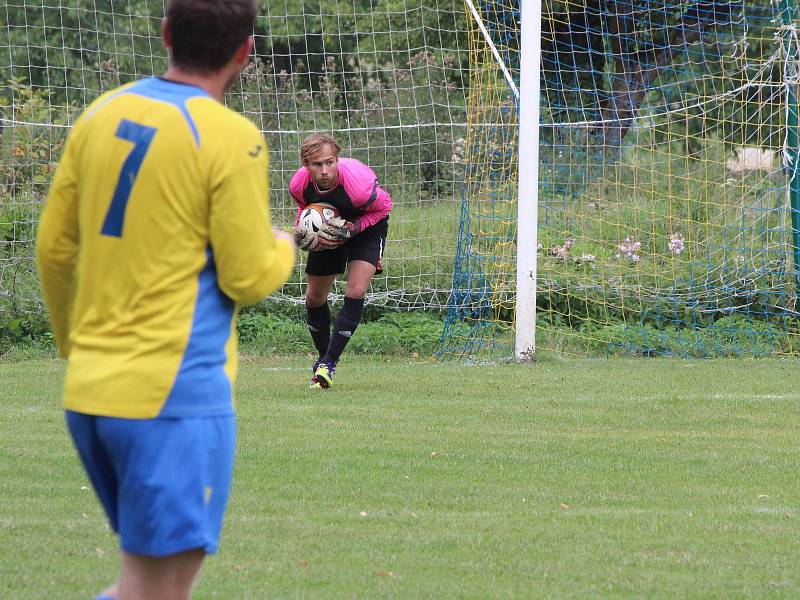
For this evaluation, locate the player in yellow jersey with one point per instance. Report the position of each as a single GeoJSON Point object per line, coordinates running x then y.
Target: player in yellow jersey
{"type": "Point", "coordinates": [155, 229]}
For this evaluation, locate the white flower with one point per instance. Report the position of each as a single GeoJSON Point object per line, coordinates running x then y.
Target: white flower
{"type": "Point", "coordinates": [560, 252]}
{"type": "Point", "coordinates": [628, 248]}
{"type": "Point", "coordinates": [676, 245]}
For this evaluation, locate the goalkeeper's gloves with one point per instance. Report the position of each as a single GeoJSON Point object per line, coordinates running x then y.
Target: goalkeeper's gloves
{"type": "Point", "coordinates": [304, 239]}
{"type": "Point", "coordinates": [337, 229]}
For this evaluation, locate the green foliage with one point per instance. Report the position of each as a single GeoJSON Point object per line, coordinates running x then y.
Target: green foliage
{"type": "Point", "coordinates": [596, 52]}
{"type": "Point", "coordinates": [76, 53]}
{"type": "Point", "coordinates": [29, 148]}
{"type": "Point", "coordinates": [32, 136]}
{"type": "Point", "coordinates": [267, 334]}
{"type": "Point", "coordinates": [391, 76]}
{"type": "Point", "coordinates": [282, 330]}
{"type": "Point", "coordinates": [30, 332]}
{"type": "Point", "coordinates": [398, 333]}
{"type": "Point", "coordinates": [732, 261]}
{"type": "Point", "coordinates": [728, 336]}
{"type": "Point", "coordinates": [390, 333]}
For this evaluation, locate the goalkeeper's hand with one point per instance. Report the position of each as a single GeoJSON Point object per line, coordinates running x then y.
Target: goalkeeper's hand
{"type": "Point", "coordinates": [304, 239]}
{"type": "Point", "coordinates": [338, 230]}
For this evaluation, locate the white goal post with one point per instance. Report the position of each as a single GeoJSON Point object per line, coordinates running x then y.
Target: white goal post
{"type": "Point", "coordinates": [527, 213]}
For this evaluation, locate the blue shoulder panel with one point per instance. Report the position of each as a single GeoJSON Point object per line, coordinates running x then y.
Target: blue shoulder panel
{"type": "Point", "coordinates": [170, 92]}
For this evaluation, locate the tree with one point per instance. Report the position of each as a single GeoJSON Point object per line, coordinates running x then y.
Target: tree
{"type": "Point", "coordinates": [637, 66]}
{"type": "Point", "coordinates": [606, 55]}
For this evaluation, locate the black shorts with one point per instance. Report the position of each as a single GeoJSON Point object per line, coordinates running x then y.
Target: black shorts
{"type": "Point", "coordinates": [367, 246]}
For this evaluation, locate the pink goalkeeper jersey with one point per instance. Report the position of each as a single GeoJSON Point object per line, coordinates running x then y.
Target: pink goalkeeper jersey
{"type": "Point", "coordinates": [357, 196]}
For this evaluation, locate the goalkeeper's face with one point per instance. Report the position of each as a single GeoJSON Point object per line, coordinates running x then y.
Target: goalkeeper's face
{"type": "Point", "coordinates": [324, 167]}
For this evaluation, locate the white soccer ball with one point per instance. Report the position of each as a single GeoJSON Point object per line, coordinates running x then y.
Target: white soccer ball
{"type": "Point", "coordinates": [314, 216]}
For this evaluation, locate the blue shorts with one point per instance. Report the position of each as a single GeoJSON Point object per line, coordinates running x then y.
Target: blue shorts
{"type": "Point", "coordinates": [164, 483]}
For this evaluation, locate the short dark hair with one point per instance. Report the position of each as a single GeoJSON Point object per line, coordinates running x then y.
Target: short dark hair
{"type": "Point", "coordinates": [205, 34]}
{"type": "Point", "coordinates": [315, 142]}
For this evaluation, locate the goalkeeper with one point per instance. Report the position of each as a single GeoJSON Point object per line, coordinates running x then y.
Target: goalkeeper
{"type": "Point", "coordinates": [352, 243]}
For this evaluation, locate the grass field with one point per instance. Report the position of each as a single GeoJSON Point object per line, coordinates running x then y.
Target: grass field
{"type": "Point", "coordinates": [567, 478]}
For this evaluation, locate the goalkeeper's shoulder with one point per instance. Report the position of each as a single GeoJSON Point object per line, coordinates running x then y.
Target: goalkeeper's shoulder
{"type": "Point", "coordinates": [362, 186]}
{"type": "Point", "coordinates": [354, 169]}
{"type": "Point", "coordinates": [298, 183]}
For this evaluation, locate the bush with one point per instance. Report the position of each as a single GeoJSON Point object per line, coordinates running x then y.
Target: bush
{"type": "Point", "coordinates": [391, 333]}
{"type": "Point", "coordinates": [725, 337]}
{"type": "Point", "coordinates": [32, 331]}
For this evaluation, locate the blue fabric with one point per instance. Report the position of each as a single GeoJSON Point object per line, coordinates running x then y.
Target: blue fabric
{"type": "Point", "coordinates": [141, 136]}
{"type": "Point", "coordinates": [164, 483]}
{"type": "Point", "coordinates": [202, 386]}
{"type": "Point", "coordinates": [170, 92]}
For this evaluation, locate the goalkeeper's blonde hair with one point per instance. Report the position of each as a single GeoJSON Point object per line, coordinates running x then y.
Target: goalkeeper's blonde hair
{"type": "Point", "coordinates": [314, 143]}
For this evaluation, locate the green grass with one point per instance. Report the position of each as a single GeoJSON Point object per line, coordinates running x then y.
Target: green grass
{"type": "Point", "coordinates": [623, 478]}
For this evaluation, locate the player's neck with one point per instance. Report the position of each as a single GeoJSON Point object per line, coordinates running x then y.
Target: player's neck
{"type": "Point", "coordinates": [215, 83]}
{"type": "Point", "coordinates": [327, 190]}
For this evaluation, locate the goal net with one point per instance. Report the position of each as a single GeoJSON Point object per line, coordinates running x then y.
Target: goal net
{"type": "Point", "coordinates": [667, 162]}
{"type": "Point", "coordinates": [386, 78]}
{"type": "Point", "coordinates": [667, 155]}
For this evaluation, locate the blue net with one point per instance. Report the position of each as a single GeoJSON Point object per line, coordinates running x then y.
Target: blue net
{"type": "Point", "coordinates": [664, 206]}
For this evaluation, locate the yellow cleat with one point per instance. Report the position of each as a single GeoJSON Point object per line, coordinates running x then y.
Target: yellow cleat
{"type": "Point", "coordinates": [315, 381]}
{"type": "Point", "coordinates": [323, 376]}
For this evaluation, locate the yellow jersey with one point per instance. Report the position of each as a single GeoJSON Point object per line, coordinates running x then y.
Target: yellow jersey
{"type": "Point", "coordinates": [156, 227]}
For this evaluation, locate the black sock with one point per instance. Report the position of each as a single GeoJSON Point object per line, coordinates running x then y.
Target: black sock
{"type": "Point", "coordinates": [319, 325]}
{"type": "Point", "coordinates": [344, 327]}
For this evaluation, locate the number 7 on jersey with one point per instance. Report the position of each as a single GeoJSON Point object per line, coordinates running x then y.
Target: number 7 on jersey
{"type": "Point", "coordinates": [141, 136]}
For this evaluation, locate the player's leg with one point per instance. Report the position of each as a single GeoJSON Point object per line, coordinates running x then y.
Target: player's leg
{"type": "Point", "coordinates": [159, 577]}
{"type": "Point", "coordinates": [318, 312]}
{"type": "Point", "coordinates": [322, 268]}
{"type": "Point", "coordinates": [364, 260]}
{"type": "Point", "coordinates": [110, 593]}
{"type": "Point", "coordinates": [359, 275]}
{"type": "Point", "coordinates": [174, 476]}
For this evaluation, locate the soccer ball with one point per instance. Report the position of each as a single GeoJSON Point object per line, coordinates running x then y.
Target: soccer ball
{"type": "Point", "coordinates": [315, 216]}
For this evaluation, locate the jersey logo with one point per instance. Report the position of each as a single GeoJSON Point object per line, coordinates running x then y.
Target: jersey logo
{"type": "Point", "coordinates": [256, 152]}
{"type": "Point", "coordinates": [346, 333]}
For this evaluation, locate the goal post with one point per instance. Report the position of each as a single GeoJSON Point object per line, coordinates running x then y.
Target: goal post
{"type": "Point", "coordinates": [792, 149]}
{"type": "Point", "coordinates": [528, 194]}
